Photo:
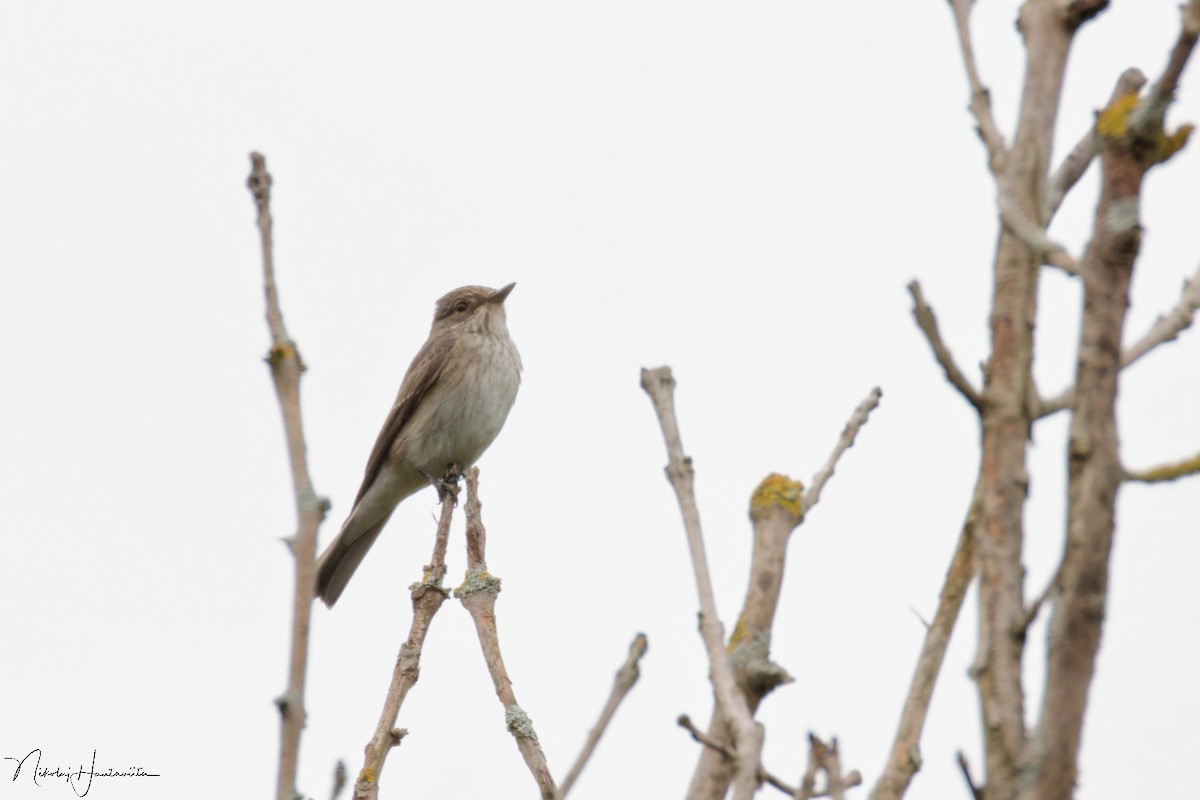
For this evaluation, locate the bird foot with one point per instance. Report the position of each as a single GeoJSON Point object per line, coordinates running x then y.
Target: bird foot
{"type": "Point", "coordinates": [447, 484]}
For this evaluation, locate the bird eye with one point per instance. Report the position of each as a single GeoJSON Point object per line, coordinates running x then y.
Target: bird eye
{"type": "Point", "coordinates": [460, 307]}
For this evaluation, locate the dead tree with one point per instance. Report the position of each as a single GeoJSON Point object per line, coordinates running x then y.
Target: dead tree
{"type": "Point", "coordinates": [1129, 137]}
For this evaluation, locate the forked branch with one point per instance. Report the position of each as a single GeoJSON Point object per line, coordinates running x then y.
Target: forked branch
{"type": "Point", "coordinates": [659, 384]}
{"type": "Point", "coordinates": [427, 598]}
{"type": "Point", "coordinates": [825, 758]}
{"type": "Point", "coordinates": [1168, 326]}
{"type": "Point", "coordinates": [685, 722]}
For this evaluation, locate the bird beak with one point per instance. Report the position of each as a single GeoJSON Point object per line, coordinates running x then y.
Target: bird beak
{"type": "Point", "coordinates": [501, 294]}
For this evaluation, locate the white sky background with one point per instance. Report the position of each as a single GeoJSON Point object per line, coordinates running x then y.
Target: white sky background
{"type": "Point", "coordinates": [741, 191]}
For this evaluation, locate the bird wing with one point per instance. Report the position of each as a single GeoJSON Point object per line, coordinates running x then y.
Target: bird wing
{"type": "Point", "coordinates": [423, 374]}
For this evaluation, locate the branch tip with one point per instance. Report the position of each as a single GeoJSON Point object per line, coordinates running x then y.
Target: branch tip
{"type": "Point", "coordinates": [927, 322]}
{"type": "Point", "coordinates": [849, 433]}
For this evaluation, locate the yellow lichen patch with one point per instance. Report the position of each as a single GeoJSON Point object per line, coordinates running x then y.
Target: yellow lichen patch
{"type": "Point", "coordinates": [1113, 121]}
{"type": "Point", "coordinates": [1172, 143]}
{"type": "Point", "coordinates": [739, 633]}
{"type": "Point", "coordinates": [367, 775]}
{"type": "Point", "coordinates": [778, 490]}
{"type": "Point", "coordinates": [279, 354]}
{"type": "Point", "coordinates": [1169, 472]}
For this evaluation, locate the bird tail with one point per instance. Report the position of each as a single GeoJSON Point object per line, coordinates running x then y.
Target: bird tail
{"type": "Point", "coordinates": [341, 558]}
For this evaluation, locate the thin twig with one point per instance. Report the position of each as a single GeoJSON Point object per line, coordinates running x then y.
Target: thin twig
{"type": "Point", "coordinates": [808, 781]}
{"type": "Point", "coordinates": [976, 792]}
{"type": "Point", "coordinates": [825, 758]}
{"type": "Point", "coordinates": [427, 598]}
{"type": "Point", "coordinates": [851, 779]}
{"type": "Point", "coordinates": [625, 678]}
{"type": "Point", "coordinates": [685, 722]}
{"type": "Point", "coordinates": [286, 368]}
{"type": "Point", "coordinates": [981, 100]}
{"type": "Point", "coordinates": [927, 322]}
{"type": "Point", "coordinates": [659, 384]}
{"type": "Point", "coordinates": [1031, 613]}
{"type": "Point", "coordinates": [1166, 472]}
{"type": "Point", "coordinates": [1150, 111]}
{"type": "Point", "coordinates": [904, 759]}
{"type": "Point", "coordinates": [478, 595]}
{"type": "Point", "coordinates": [1073, 167]}
{"type": "Point", "coordinates": [845, 442]}
{"type": "Point", "coordinates": [1166, 328]}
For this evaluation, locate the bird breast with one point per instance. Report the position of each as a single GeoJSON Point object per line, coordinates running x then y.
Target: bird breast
{"type": "Point", "coordinates": [469, 408]}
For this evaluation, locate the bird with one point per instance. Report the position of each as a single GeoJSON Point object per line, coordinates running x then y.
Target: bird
{"type": "Point", "coordinates": [452, 403]}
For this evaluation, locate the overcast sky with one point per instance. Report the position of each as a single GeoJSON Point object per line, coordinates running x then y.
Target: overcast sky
{"type": "Point", "coordinates": [741, 191]}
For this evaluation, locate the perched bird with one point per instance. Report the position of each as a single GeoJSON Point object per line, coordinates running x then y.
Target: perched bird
{"type": "Point", "coordinates": [452, 402]}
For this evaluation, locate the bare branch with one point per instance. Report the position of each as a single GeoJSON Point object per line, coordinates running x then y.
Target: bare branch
{"type": "Point", "coordinates": [849, 781]}
{"type": "Point", "coordinates": [1168, 326]}
{"type": "Point", "coordinates": [1060, 402]}
{"type": "Point", "coordinates": [659, 384]}
{"type": "Point", "coordinates": [1080, 158]}
{"type": "Point", "coordinates": [845, 442]}
{"type": "Point", "coordinates": [981, 100]}
{"type": "Point", "coordinates": [286, 368]}
{"type": "Point", "coordinates": [825, 758]}
{"type": "Point", "coordinates": [1045, 249]}
{"type": "Point", "coordinates": [1143, 121]}
{"type": "Point", "coordinates": [478, 595]}
{"type": "Point", "coordinates": [927, 322]}
{"type": "Point", "coordinates": [904, 759]}
{"type": "Point", "coordinates": [626, 677]}
{"type": "Point", "coordinates": [685, 722]}
{"type": "Point", "coordinates": [1070, 171]}
{"type": "Point", "coordinates": [777, 507]}
{"type": "Point", "coordinates": [1132, 140]}
{"type": "Point", "coordinates": [1167, 472]}
{"type": "Point", "coordinates": [427, 598]}
{"type": "Point", "coordinates": [259, 184]}
{"type": "Point", "coordinates": [1150, 111]}
{"type": "Point", "coordinates": [1023, 246]}
{"type": "Point", "coordinates": [1126, 114]}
